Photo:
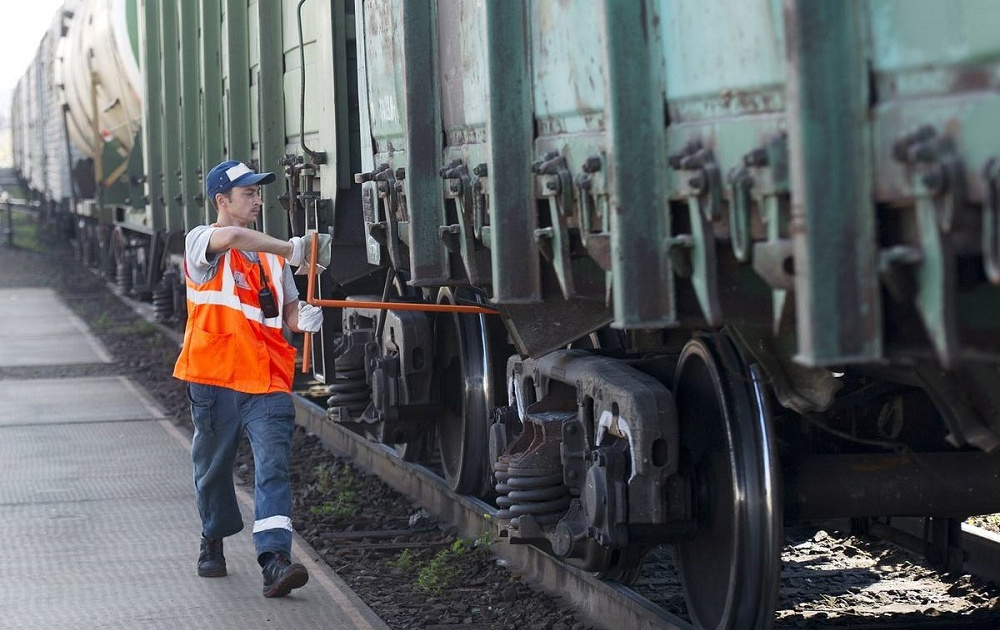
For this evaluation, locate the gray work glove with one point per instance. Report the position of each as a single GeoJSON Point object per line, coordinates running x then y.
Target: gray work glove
{"type": "Point", "coordinates": [310, 317]}
{"type": "Point", "coordinates": [301, 254]}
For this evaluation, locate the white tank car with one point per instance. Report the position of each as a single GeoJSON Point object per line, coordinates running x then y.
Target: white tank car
{"type": "Point", "coordinates": [41, 155]}
{"type": "Point", "coordinates": [99, 75]}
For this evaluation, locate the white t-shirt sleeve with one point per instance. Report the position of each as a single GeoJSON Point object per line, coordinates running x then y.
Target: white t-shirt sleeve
{"type": "Point", "coordinates": [200, 264]}
{"type": "Point", "coordinates": [290, 291]}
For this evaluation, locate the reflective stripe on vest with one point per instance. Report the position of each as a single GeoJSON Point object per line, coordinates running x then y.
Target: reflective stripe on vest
{"type": "Point", "coordinates": [227, 340]}
{"type": "Point", "coordinates": [226, 295]}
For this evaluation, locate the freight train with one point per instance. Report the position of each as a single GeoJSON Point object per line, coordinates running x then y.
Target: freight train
{"type": "Point", "coordinates": [737, 261]}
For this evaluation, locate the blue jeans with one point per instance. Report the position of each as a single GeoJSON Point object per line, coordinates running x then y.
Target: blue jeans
{"type": "Point", "coordinates": [220, 416]}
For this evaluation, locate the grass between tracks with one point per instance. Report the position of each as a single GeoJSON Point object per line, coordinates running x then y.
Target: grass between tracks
{"type": "Point", "coordinates": [340, 485]}
{"type": "Point", "coordinates": [439, 572]}
{"type": "Point", "coordinates": [335, 488]}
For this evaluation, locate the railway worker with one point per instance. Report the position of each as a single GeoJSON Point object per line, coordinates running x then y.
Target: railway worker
{"type": "Point", "coordinates": [238, 370]}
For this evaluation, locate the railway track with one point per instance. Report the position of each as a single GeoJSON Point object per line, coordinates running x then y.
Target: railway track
{"type": "Point", "coordinates": [855, 590]}
{"type": "Point", "coordinates": [611, 605]}
{"type": "Point", "coordinates": [615, 606]}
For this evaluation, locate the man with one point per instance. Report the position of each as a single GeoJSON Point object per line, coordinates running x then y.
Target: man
{"type": "Point", "coordinates": [238, 368]}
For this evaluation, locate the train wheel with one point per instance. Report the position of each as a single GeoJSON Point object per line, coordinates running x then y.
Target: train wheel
{"type": "Point", "coordinates": [464, 365]}
{"type": "Point", "coordinates": [730, 570]}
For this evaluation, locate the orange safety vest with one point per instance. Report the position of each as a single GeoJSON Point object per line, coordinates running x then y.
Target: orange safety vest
{"type": "Point", "coordinates": [227, 340]}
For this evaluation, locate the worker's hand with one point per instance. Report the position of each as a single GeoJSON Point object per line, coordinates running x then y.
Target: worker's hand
{"type": "Point", "coordinates": [310, 317]}
{"type": "Point", "coordinates": [302, 254]}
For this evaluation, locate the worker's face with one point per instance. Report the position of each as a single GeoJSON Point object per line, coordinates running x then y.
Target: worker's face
{"type": "Point", "coordinates": [240, 205]}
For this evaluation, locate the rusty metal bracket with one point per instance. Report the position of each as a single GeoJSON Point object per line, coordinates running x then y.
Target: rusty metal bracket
{"type": "Point", "coordinates": [596, 239]}
{"type": "Point", "coordinates": [740, 185]}
{"type": "Point", "coordinates": [932, 267]}
{"type": "Point", "coordinates": [479, 211]}
{"type": "Point", "coordinates": [939, 187]}
{"type": "Point", "coordinates": [385, 213]}
{"type": "Point", "coordinates": [761, 178]}
{"type": "Point", "coordinates": [935, 162]}
{"type": "Point", "coordinates": [554, 241]}
{"type": "Point", "coordinates": [937, 283]}
{"type": "Point", "coordinates": [460, 189]}
{"type": "Point", "coordinates": [774, 260]}
{"type": "Point", "coordinates": [704, 195]}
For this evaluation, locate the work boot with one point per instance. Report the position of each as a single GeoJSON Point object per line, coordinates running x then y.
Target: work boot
{"type": "Point", "coordinates": [211, 562]}
{"type": "Point", "coordinates": [281, 575]}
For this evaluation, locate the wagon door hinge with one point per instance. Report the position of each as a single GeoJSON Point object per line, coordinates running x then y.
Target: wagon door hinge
{"type": "Point", "coordinates": [554, 240]}
{"type": "Point", "coordinates": [760, 181]}
{"type": "Point", "coordinates": [590, 185]}
{"type": "Point", "coordinates": [480, 213]}
{"type": "Point", "coordinates": [741, 184]}
{"type": "Point", "coordinates": [384, 214]}
{"type": "Point", "coordinates": [694, 254]}
{"type": "Point", "coordinates": [939, 187]}
{"type": "Point", "coordinates": [460, 237]}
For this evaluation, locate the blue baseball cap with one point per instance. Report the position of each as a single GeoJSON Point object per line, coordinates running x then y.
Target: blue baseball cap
{"type": "Point", "coordinates": [230, 174]}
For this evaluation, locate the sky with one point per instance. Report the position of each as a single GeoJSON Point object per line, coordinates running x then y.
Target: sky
{"type": "Point", "coordinates": [19, 39]}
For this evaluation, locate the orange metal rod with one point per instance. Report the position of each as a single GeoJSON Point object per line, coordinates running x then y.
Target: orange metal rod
{"type": "Point", "coordinates": [406, 306]}
{"type": "Point", "coordinates": [396, 306]}
{"type": "Point", "coordinates": [306, 352]}
{"type": "Point", "coordinates": [310, 287]}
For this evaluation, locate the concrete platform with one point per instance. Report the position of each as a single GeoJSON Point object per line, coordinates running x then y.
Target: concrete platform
{"type": "Point", "coordinates": [59, 400]}
{"type": "Point", "coordinates": [39, 329]}
{"type": "Point", "coordinates": [101, 529]}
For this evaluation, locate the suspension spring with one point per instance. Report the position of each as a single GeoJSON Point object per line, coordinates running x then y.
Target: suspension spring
{"type": "Point", "coordinates": [163, 300]}
{"type": "Point", "coordinates": [123, 278]}
{"type": "Point", "coordinates": [545, 498]}
{"type": "Point", "coordinates": [529, 472]}
{"type": "Point", "coordinates": [349, 389]}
